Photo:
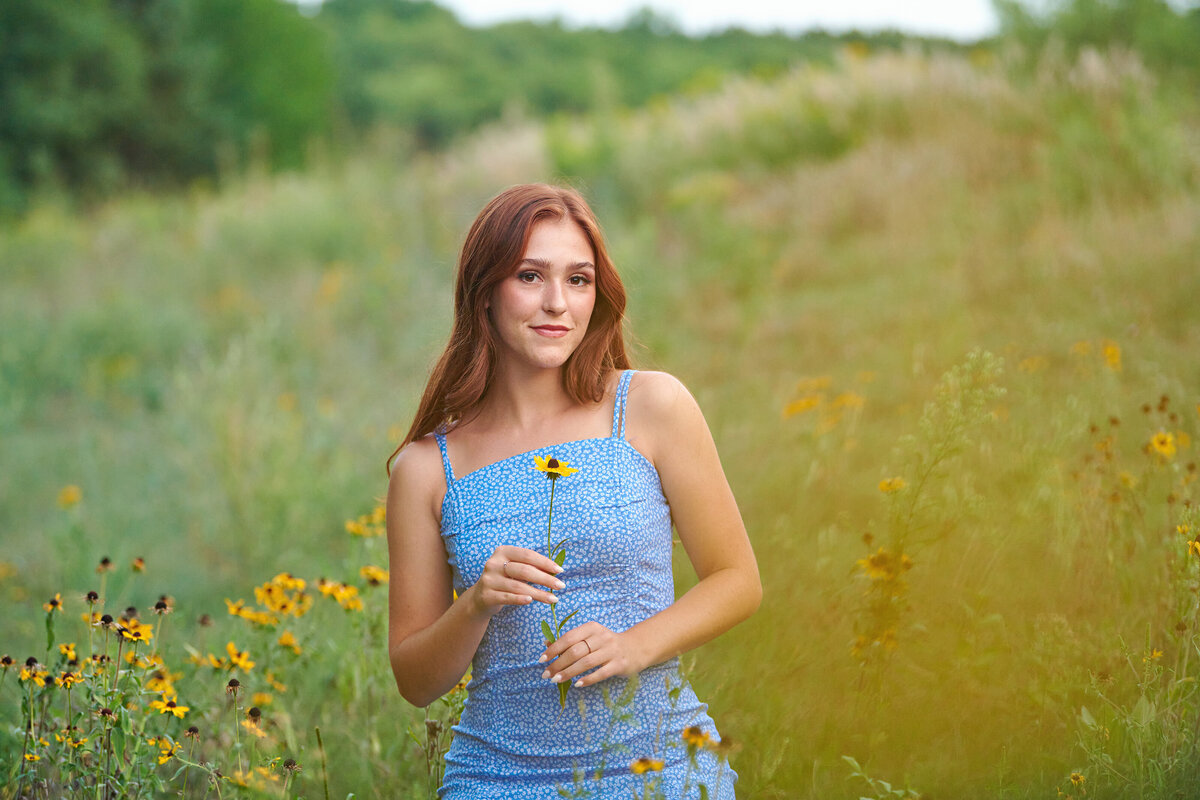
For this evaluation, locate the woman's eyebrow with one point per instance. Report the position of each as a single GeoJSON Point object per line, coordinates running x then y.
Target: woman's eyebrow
{"type": "Point", "coordinates": [544, 264]}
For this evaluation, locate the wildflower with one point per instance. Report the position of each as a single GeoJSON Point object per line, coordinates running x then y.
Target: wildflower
{"type": "Point", "coordinates": [170, 707]}
{"type": "Point", "coordinates": [192, 733]}
{"type": "Point", "coordinates": [163, 606]}
{"type": "Point", "coordinates": [274, 682]}
{"type": "Point", "coordinates": [695, 736]}
{"type": "Point", "coordinates": [804, 404]}
{"type": "Point", "coordinates": [288, 639]}
{"type": "Point", "coordinates": [1112, 354]}
{"type": "Point", "coordinates": [262, 699]}
{"type": "Point", "coordinates": [849, 400]}
{"type": "Point", "coordinates": [107, 714]}
{"type": "Point", "coordinates": [68, 737]}
{"type": "Point", "coordinates": [69, 495]}
{"type": "Point", "coordinates": [553, 467]}
{"type": "Point", "coordinates": [374, 575]}
{"type": "Point", "coordinates": [239, 658]}
{"type": "Point", "coordinates": [105, 565]}
{"type": "Point", "coordinates": [233, 686]}
{"type": "Point", "coordinates": [1164, 444]}
{"type": "Point", "coordinates": [105, 621]}
{"type": "Point", "coordinates": [68, 650]}
{"type": "Point", "coordinates": [1194, 547]}
{"type": "Point", "coordinates": [644, 765]}
{"type": "Point", "coordinates": [92, 598]}
{"type": "Point", "coordinates": [1077, 779]}
{"type": "Point", "coordinates": [290, 765]}
{"type": "Point", "coordinates": [68, 679]}
{"type": "Point", "coordinates": [138, 565]}
{"type": "Point", "coordinates": [890, 485]}
{"type": "Point", "coordinates": [166, 748]}
{"type": "Point", "coordinates": [32, 757]}
{"type": "Point", "coordinates": [53, 604]}
{"type": "Point", "coordinates": [6, 661]}
{"type": "Point", "coordinates": [136, 631]}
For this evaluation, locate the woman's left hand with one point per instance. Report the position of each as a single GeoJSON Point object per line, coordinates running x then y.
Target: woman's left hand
{"type": "Point", "coordinates": [591, 646]}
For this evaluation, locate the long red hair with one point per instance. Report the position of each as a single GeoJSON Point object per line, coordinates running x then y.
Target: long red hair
{"type": "Point", "coordinates": [493, 248]}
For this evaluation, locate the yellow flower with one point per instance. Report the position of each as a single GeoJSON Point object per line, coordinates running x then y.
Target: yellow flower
{"type": "Point", "coordinates": [806, 403]}
{"type": "Point", "coordinates": [288, 639]}
{"type": "Point", "coordinates": [849, 400]}
{"type": "Point", "coordinates": [138, 564]}
{"type": "Point", "coordinates": [68, 679]}
{"type": "Point", "coordinates": [69, 495]}
{"type": "Point", "coordinates": [53, 604]}
{"type": "Point", "coordinates": [170, 707]}
{"type": "Point", "coordinates": [67, 650]}
{"type": "Point", "coordinates": [374, 575]}
{"type": "Point", "coordinates": [1077, 779]}
{"type": "Point", "coordinates": [136, 631]}
{"type": "Point", "coordinates": [32, 757]}
{"type": "Point", "coordinates": [889, 485]}
{"type": "Point", "coordinates": [695, 736]}
{"type": "Point", "coordinates": [239, 658]}
{"type": "Point", "coordinates": [553, 467]}
{"type": "Point", "coordinates": [1194, 547]}
{"type": "Point", "coordinates": [166, 748]}
{"type": "Point", "coordinates": [1163, 443]}
{"type": "Point", "coordinates": [1112, 354]}
{"type": "Point", "coordinates": [644, 765]}
{"type": "Point", "coordinates": [262, 699]}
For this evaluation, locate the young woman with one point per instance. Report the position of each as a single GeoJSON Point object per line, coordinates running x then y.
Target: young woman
{"type": "Point", "coordinates": [484, 493]}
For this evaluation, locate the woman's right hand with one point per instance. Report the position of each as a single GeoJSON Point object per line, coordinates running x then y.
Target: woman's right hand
{"type": "Point", "coordinates": [511, 577]}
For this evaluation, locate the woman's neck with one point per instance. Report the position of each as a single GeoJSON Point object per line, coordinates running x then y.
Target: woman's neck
{"type": "Point", "coordinates": [526, 400]}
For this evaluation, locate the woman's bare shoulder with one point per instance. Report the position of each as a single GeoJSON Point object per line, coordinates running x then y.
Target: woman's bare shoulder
{"type": "Point", "coordinates": [656, 395]}
{"type": "Point", "coordinates": [417, 470]}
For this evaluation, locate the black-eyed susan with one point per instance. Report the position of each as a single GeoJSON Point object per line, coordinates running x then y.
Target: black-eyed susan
{"type": "Point", "coordinates": [374, 576]}
{"type": "Point", "coordinates": [31, 757]}
{"type": "Point", "coordinates": [7, 661]}
{"type": "Point", "coordinates": [553, 467]}
{"type": "Point", "coordinates": [694, 736]}
{"type": "Point", "coordinates": [233, 686]}
{"type": "Point", "coordinates": [53, 604]}
{"type": "Point", "coordinates": [105, 565]}
{"type": "Point", "coordinates": [68, 679]}
{"type": "Point", "coordinates": [643, 765]}
{"type": "Point", "coordinates": [67, 650]}
{"type": "Point", "coordinates": [262, 699]}
{"type": "Point", "coordinates": [192, 732]}
{"type": "Point", "coordinates": [239, 658]}
{"type": "Point", "coordinates": [170, 707]}
{"type": "Point", "coordinates": [288, 639]}
{"type": "Point", "coordinates": [1163, 443]}
{"type": "Point", "coordinates": [1077, 779]}
{"type": "Point", "coordinates": [138, 564]}
{"type": "Point", "coordinates": [890, 485]}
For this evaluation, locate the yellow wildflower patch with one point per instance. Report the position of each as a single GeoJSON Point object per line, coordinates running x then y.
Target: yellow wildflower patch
{"type": "Point", "coordinates": [69, 495]}
{"type": "Point", "coordinates": [890, 485]}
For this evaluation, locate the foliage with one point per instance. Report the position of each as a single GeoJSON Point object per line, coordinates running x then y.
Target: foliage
{"type": "Point", "coordinates": [203, 379]}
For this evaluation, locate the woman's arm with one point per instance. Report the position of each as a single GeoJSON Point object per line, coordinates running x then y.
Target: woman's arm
{"type": "Point", "coordinates": [431, 636]}
{"type": "Point", "coordinates": [668, 426]}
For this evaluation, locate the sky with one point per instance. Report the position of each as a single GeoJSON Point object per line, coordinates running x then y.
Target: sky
{"type": "Point", "coordinates": [958, 19]}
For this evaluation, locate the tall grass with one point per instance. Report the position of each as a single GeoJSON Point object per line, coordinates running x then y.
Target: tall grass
{"type": "Point", "coordinates": [223, 372]}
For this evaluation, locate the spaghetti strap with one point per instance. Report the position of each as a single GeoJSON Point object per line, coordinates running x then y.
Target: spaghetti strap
{"type": "Point", "coordinates": [449, 470]}
{"type": "Point", "coordinates": [618, 429]}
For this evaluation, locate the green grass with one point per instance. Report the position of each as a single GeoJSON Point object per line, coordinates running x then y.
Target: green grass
{"type": "Point", "coordinates": [223, 373]}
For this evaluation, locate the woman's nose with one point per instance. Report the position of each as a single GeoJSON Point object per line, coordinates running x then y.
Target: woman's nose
{"type": "Point", "coordinates": [554, 299]}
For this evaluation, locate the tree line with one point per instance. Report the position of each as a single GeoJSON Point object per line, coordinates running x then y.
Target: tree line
{"type": "Point", "coordinates": [100, 95]}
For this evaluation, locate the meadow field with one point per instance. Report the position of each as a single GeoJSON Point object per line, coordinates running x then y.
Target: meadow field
{"type": "Point", "coordinates": [940, 312]}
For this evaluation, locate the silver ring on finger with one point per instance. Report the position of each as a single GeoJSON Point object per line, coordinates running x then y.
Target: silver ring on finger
{"type": "Point", "coordinates": [504, 569]}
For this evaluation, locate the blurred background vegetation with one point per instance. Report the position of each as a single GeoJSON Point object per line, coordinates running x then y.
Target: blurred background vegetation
{"type": "Point", "coordinates": [227, 254]}
{"type": "Point", "coordinates": [104, 95]}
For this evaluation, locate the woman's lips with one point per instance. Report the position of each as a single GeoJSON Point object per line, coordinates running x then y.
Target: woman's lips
{"type": "Point", "coordinates": [553, 331]}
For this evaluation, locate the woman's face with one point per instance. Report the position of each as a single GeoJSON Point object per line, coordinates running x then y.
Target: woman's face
{"type": "Point", "coordinates": [541, 311]}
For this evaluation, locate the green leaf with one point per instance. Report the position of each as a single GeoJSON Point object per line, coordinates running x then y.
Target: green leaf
{"type": "Point", "coordinates": [558, 546]}
{"type": "Point", "coordinates": [1143, 712]}
{"type": "Point", "coordinates": [562, 693]}
{"type": "Point", "coordinates": [1087, 717]}
{"type": "Point", "coordinates": [563, 621]}
{"type": "Point", "coordinates": [50, 629]}
{"type": "Point", "coordinates": [547, 633]}
{"type": "Point", "coordinates": [703, 792]}
{"type": "Point", "coordinates": [561, 557]}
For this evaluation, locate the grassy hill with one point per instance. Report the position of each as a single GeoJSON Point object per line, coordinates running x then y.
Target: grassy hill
{"type": "Point", "coordinates": [222, 373]}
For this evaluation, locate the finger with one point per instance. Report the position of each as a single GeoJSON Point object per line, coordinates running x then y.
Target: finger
{"type": "Point", "coordinates": [571, 638]}
{"type": "Point", "coordinates": [526, 556]}
{"type": "Point", "coordinates": [605, 672]}
{"type": "Point", "coordinates": [512, 586]}
{"type": "Point", "coordinates": [567, 656]}
{"type": "Point", "coordinates": [578, 667]}
{"type": "Point", "coordinates": [531, 574]}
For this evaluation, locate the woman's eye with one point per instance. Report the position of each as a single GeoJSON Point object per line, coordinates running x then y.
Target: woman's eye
{"type": "Point", "coordinates": [527, 277]}
{"type": "Point", "coordinates": [580, 280]}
